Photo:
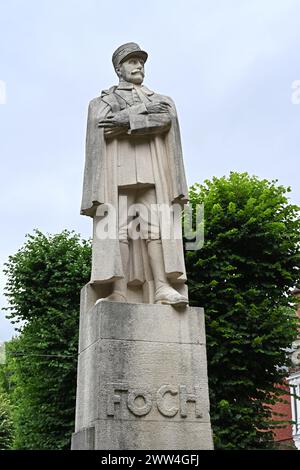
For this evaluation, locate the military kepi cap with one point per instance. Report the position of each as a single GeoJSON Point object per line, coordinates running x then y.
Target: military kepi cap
{"type": "Point", "coordinates": [130, 49]}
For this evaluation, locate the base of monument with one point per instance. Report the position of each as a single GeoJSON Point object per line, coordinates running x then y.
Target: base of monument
{"type": "Point", "coordinates": [84, 439]}
{"type": "Point", "coordinates": [142, 378]}
{"type": "Point", "coordinates": [112, 437]}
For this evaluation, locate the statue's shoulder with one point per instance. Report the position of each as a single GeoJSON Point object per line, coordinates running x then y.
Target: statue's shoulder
{"type": "Point", "coordinates": [95, 103]}
{"type": "Point", "coordinates": [168, 99]}
{"type": "Point", "coordinates": [108, 92]}
{"type": "Point", "coordinates": [105, 97]}
{"type": "Point", "coordinates": [108, 97]}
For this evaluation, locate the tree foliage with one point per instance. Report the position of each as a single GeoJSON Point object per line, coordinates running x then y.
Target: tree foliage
{"type": "Point", "coordinates": [44, 281]}
{"type": "Point", "coordinates": [6, 423]}
{"type": "Point", "coordinates": [242, 277]}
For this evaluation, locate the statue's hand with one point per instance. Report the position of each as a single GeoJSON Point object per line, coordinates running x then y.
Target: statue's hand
{"type": "Point", "coordinates": [120, 119]}
{"type": "Point", "coordinates": [158, 107]}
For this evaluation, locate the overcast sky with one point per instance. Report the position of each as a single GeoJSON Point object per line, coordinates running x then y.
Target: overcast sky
{"type": "Point", "coordinates": [229, 65]}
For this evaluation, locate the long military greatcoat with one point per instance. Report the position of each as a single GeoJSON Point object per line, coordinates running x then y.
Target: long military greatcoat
{"type": "Point", "coordinates": [102, 174]}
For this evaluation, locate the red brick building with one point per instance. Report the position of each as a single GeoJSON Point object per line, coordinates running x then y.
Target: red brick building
{"type": "Point", "coordinates": [289, 436]}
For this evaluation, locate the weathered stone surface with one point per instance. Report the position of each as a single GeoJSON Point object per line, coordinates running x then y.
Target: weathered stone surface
{"type": "Point", "coordinates": [112, 435]}
{"type": "Point", "coordinates": [142, 377]}
{"type": "Point", "coordinates": [135, 188]}
{"type": "Point", "coordinates": [174, 326]}
{"type": "Point", "coordinates": [84, 439]}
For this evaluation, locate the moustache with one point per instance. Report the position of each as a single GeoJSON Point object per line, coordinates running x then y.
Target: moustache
{"type": "Point", "coordinates": [138, 71]}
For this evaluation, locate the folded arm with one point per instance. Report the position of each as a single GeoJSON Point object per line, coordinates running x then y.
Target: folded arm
{"type": "Point", "coordinates": [141, 119]}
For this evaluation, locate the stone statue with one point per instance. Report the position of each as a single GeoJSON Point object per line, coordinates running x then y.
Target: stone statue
{"type": "Point", "coordinates": [142, 371]}
{"type": "Point", "coordinates": [134, 160]}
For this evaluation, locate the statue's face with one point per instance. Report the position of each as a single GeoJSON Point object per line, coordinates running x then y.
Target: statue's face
{"type": "Point", "coordinates": [132, 70]}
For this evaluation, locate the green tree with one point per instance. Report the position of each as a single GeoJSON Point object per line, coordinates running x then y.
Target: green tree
{"type": "Point", "coordinates": [6, 423]}
{"type": "Point", "coordinates": [43, 288]}
{"type": "Point", "coordinates": [242, 277]}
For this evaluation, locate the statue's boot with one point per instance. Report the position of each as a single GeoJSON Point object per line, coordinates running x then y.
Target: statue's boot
{"type": "Point", "coordinates": [119, 293]}
{"type": "Point", "coordinates": [164, 293]}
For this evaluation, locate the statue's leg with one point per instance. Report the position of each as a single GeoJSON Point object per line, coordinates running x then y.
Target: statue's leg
{"type": "Point", "coordinates": [164, 292]}
{"type": "Point", "coordinates": [119, 292]}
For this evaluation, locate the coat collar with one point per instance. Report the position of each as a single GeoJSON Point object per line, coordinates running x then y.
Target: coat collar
{"type": "Point", "coordinates": [129, 86]}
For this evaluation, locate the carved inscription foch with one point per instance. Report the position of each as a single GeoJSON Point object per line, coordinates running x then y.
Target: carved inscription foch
{"type": "Point", "coordinates": [169, 400]}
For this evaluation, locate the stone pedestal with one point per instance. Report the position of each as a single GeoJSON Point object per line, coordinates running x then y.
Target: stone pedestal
{"type": "Point", "coordinates": [142, 377]}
